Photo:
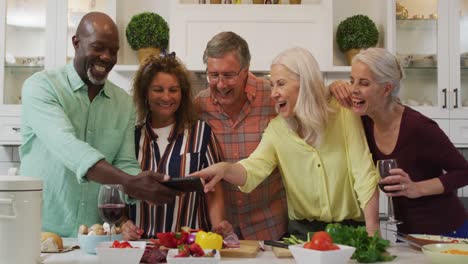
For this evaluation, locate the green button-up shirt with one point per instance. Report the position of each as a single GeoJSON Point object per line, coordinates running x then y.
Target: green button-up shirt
{"type": "Point", "coordinates": [64, 134]}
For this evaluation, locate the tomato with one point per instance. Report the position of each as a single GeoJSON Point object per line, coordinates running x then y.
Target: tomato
{"type": "Point", "coordinates": [309, 245]}
{"type": "Point", "coordinates": [334, 247]}
{"type": "Point", "coordinates": [125, 244]}
{"type": "Point", "coordinates": [321, 241]}
{"type": "Point", "coordinates": [322, 237]}
{"type": "Point", "coordinates": [115, 244]}
{"type": "Point", "coordinates": [118, 244]}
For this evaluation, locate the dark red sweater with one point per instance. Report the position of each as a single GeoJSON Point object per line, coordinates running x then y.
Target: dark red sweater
{"type": "Point", "coordinates": [425, 152]}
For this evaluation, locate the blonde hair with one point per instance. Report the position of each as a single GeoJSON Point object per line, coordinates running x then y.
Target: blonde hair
{"type": "Point", "coordinates": [311, 111]}
{"type": "Point", "coordinates": [384, 66]}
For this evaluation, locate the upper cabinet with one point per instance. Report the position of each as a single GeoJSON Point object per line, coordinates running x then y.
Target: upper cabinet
{"type": "Point", "coordinates": [24, 23]}
{"type": "Point", "coordinates": [268, 29]}
{"type": "Point", "coordinates": [431, 41]}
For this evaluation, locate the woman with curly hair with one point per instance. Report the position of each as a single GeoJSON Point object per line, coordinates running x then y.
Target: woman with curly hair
{"type": "Point", "coordinates": [170, 139]}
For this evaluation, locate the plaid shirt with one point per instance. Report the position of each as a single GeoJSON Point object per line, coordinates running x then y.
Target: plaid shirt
{"type": "Point", "coordinates": [261, 214]}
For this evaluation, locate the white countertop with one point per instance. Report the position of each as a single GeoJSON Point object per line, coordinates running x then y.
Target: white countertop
{"type": "Point", "coordinates": [405, 255]}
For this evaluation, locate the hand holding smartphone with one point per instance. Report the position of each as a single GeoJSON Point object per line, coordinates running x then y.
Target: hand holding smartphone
{"type": "Point", "coordinates": [185, 184]}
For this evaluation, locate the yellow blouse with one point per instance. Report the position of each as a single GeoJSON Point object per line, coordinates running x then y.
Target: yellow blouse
{"type": "Point", "coordinates": [328, 183]}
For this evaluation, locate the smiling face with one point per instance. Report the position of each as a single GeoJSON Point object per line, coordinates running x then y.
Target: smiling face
{"type": "Point", "coordinates": [285, 90]}
{"type": "Point", "coordinates": [229, 92]}
{"type": "Point", "coordinates": [164, 97]}
{"type": "Point", "coordinates": [367, 95]}
{"type": "Point", "coordinates": [96, 48]}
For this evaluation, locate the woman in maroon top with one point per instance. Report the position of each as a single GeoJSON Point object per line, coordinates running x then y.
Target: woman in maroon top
{"type": "Point", "coordinates": [430, 167]}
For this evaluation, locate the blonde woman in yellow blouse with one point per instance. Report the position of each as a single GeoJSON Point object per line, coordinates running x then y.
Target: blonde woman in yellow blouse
{"type": "Point", "coordinates": [319, 148]}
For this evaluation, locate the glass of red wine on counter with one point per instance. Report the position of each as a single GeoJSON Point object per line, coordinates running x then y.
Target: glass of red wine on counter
{"type": "Point", "coordinates": [111, 204]}
{"type": "Point", "coordinates": [384, 167]}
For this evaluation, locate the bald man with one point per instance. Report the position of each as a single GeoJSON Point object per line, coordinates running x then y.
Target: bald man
{"type": "Point", "coordinates": [78, 131]}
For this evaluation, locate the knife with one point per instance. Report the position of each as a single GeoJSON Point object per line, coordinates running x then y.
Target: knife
{"type": "Point", "coordinates": [403, 237]}
{"type": "Point", "coordinates": [276, 244]}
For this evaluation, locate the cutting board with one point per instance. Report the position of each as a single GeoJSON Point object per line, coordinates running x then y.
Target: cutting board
{"type": "Point", "coordinates": [282, 252]}
{"type": "Point", "coordinates": [247, 249]}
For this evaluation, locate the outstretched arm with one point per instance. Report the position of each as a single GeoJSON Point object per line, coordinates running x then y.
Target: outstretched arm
{"type": "Point", "coordinates": [233, 173]}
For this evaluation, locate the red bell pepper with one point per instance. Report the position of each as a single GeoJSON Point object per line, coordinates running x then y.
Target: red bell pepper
{"type": "Point", "coordinates": [172, 239]}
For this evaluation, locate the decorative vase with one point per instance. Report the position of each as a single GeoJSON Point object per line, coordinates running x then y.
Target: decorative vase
{"type": "Point", "coordinates": [144, 53]}
{"type": "Point", "coordinates": [215, 1]}
{"type": "Point", "coordinates": [258, 2]}
{"type": "Point", "coordinates": [351, 53]}
{"type": "Point", "coordinates": [294, 2]}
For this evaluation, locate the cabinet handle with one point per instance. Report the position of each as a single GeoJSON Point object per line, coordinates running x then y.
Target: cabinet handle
{"type": "Point", "coordinates": [16, 129]}
{"type": "Point", "coordinates": [456, 98]}
{"type": "Point", "coordinates": [444, 91]}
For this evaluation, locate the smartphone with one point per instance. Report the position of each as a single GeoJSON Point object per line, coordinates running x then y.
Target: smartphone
{"type": "Point", "coordinates": [185, 184]}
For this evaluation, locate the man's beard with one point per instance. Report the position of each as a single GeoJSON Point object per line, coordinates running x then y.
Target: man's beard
{"type": "Point", "coordinates": [94, 80]}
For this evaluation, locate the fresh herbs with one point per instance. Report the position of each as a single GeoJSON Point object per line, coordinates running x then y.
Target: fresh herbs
{"type": "Point", "coordinates": [368, 249]}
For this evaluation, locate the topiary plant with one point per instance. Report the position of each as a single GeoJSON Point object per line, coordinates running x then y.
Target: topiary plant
{"type": "Point", "coordinates": [147, 29]}
{"type": "Point", "coordinates": [356, 32]}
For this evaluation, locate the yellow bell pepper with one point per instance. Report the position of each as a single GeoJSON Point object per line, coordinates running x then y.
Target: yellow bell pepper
{"type": "Point", "coordinates": [209, 240]}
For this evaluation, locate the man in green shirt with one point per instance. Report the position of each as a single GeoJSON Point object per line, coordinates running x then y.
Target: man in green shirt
{"type": "Point", "coordinates": [78, 132]}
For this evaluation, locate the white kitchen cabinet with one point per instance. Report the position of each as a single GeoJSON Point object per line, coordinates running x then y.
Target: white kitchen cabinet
{"type": "Point", "coordinates": [22, 23]}
{"type": "Point", "coordinates": [269, 29]}
{"type": "Point", "coordinates": [432, 45]}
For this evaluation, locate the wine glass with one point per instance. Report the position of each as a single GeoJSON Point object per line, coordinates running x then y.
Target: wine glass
{"type": "Point", "coordinates": [111, 204]}
{"type": "Point", "coordinates": [384, 167]}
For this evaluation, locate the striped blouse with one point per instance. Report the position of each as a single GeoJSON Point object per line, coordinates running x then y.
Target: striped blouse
{"type": "Point", "coordinates": [187, 152]}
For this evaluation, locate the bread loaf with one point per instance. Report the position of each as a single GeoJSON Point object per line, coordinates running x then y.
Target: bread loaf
{"type": "Point", "coordinates": [47, 236]}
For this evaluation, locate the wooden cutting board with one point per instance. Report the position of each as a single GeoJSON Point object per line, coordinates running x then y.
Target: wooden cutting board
{"type": "Point", "coordinates": [282, 252]}
{"type": "Point", "coordinates": [247, 249]}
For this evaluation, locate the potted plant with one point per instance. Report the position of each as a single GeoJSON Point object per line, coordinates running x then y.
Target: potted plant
{"type": "Point", "coordinates": [147, 33]}
{"type": "Point", "coordinates": [356, 33]}
{"type": "Point", "coordinates": [294, 2]}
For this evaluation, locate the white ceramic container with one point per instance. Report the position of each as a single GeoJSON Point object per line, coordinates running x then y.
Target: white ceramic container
{"type": "Point", "coordinates": [20, 219]}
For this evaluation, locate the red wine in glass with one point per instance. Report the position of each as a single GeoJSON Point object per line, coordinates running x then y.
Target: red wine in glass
{"type": "Point", "coordinates": [384, 167]}
{"type": "Point", "coordinates": [111, 204]}
{"type": "Point", "coordinates": [111, 213]}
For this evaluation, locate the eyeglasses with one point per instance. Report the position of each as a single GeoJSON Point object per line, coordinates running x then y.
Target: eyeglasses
{"type": "Point", "coordinates": [229, 77]}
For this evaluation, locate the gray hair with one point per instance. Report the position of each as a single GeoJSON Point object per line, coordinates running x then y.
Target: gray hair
{"type": "Point", "coordinates": [225, 42]}
{"type": "Point", "coordinates": [384, 66]}
{"type": "Point", "coordinates": [311, 110]}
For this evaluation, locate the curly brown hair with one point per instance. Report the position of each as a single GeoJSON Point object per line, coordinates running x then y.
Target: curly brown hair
{"type": "Point", "coordinates": [185, 115]}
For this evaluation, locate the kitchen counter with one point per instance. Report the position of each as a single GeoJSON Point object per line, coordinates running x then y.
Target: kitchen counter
{"type": "Point", "coordinates": [405, 255]}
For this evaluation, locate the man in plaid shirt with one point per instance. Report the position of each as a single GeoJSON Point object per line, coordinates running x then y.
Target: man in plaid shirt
{"type": "Point", "coordinates": [238, 107]}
